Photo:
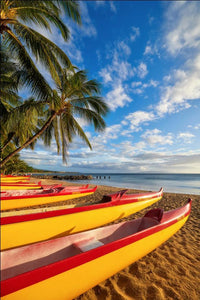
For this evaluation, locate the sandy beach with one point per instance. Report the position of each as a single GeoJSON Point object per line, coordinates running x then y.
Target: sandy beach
{"type": "Point", "coordinates": [172, 271]}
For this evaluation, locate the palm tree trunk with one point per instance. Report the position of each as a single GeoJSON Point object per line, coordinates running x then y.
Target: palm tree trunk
{"type": "Point", "coordinates": [33, 138]}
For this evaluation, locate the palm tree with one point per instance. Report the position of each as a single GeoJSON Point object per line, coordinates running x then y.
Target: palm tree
{"type": "Point", "coordinates": [23, 41]}
{"type": "Point", "coordinates": [8, 82]}
{"type": "Point", "coordinates": [15, 113]}
{"type": "Point", "coordinates": [8, 93]}
{"type": "Point", "coordinates": [76, 96]}
{"type": "Point", "coordinates": [15, 164]}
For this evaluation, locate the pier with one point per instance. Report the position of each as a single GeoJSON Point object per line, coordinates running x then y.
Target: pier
{"type": "Point", "coordinates": [102, 177]}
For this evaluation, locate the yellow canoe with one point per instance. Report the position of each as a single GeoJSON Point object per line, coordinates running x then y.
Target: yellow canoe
{"type": "Point", "coordinates": [64, 268]}
{"type": "Point", "coordinates": [46, 195]}
{"type": "Point", "coordinates": [10, 178]}
{"type": "Point", "coordinates": [25, 229]}
{"type": "Point", "coordinates": [19, 186]}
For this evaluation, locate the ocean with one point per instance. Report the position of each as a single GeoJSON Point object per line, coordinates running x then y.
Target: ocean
{"type": "Point", "coordinates": [174, 183]}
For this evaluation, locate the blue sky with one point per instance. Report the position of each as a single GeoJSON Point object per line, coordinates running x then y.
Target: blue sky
{"type": "Point", "coordinates": [146, 54]}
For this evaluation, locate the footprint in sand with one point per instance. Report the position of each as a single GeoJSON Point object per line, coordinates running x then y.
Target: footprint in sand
{"type": "Point", "coordinates": [155, 293]}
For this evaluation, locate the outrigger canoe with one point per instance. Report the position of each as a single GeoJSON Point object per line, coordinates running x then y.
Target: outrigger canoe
{"type": "Point", "coordinates": [46, 187]}
{"type": "Point", "coordinates": [46, 196]}
{"type": "Point", "coordinates": [64, 268]}
{"type": "Point", "coordinates": [19, 230]}
{"type": "Point", "coordinates": [11, 193]}
{"type": "Point", "coordinates": [20, 186]}
{"type": "Point", "coordinates": [11, 178]}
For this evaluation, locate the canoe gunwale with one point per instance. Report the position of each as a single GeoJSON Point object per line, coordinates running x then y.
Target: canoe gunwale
{"type": "Point", "coordinates": [122, 195]}
{"type": "Point", "coordinates": [42, 273]}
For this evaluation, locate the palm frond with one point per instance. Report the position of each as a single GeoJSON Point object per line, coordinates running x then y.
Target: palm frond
{"type": "Point", "coordinates": [55, 101]}
{"type": "Point", "coordinates": [9, 98]}
{"type": "Point", "coordinates": [23, 119]}
{"type": "Point", "coordinates": [47, 135]}
{"type": "Point", "coordinates": [75, 129]}
{"type": "Point", "coordinates": [43, 16]}
{"type": "Point", "coordinates": [34, 79]}
{"type": "Point", "coordinates": [91, 117]}
{"type": "Point", "coordinates": [95, 103]}
{"type": "Point", "coordinates": [34, 40]}
{"type": "Point", "coordinates": [72, 8]}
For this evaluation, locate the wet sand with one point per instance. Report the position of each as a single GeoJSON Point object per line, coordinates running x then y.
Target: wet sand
{"type": "Point", "coordinates": [172, 271]}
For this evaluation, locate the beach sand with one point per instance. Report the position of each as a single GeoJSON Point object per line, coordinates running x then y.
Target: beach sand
{"type": "Point", "coordinates": [172, 271]}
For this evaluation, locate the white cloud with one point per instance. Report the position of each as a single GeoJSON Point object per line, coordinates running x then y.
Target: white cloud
{"type": "Point", "coordinates": [117, 97]}
{"type": "Point", "coordinates": [73, 51]}
{"type": "Point", "coordinates": [151, 19]}
{"type": "Point", "coordinates": [100, 141]}
{"type": "Point", "coordinates": [155, 137]}
{"type": "Point", "coordinates": [148, 50]}
{"type": "Point", "coordinates": [129, 149]}
{"type": "Point", "coordinates": [122, 46]}
{"type": "Point", "coordinates": [105, 74]}
{"type": "Point", "coordinates": [120, 51]}
{"type": "Point", "coordinates": [127, 133]}
{"type": "Point", "coordinates": [151, 49]}
{"type": "Point", "coordinates": [153, 83]}
{"type": "Point", "coordinates": [138, 91]}
{"type": "Point", "coordinates": [136, 84]}
{"type": "Point", "coordinates": [112, 132]}
{"type": "Point", "coordinates": [100, 3]}
{"type": "Point", "coordinates": [122, 69]}
{"type": "Point", "coordinates": [197, 126]}
{"type": "Point", "coordinates": [87, 28]}
{"type": "Point", "coordinates": [142, 70]}
{"type": "Point", "coordinates": [167, 78]}
{"type": "Point", "coordinates": [183, 25]}
{"type": "Point", "coordinates": [138, 118]}
{"type": "Point", "coordinates": [135, 33]}
{"type": "Point", "coordinates": [45, 158]}
{"type": "Point", "coordinates": [113, 7]}
{"type": "Point", "coordinates": [139, 146]}
{"type": "Point", "coordinates": [139, 87]}
{"type": "Point", "coordinates": [186, 137]}
{"type": "Point", "coordinates": [185, 88]}
{"type": "Point", "coordinates": [182, 34]}
{"type": "Point", "coordinates": [119, 68]}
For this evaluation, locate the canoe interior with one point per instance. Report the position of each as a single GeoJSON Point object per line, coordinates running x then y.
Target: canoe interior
{"type": "Point", "coordinates": [48, 252]}
{"type": "Point", "coordinates": [11, 193]}
{"type": "Point", "coordinates": [45, 190]}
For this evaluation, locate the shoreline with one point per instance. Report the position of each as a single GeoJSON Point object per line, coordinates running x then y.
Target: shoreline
{"type": "Point", "coordinates": [169, 272]}
{"type": "Point", "coordinates": [182, 184]}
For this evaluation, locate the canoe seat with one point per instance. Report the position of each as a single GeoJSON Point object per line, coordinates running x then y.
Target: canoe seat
{"type": "Point", "coordinates": [151, 218]}
{"type": "Point", "coordinates": [88, 244]}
